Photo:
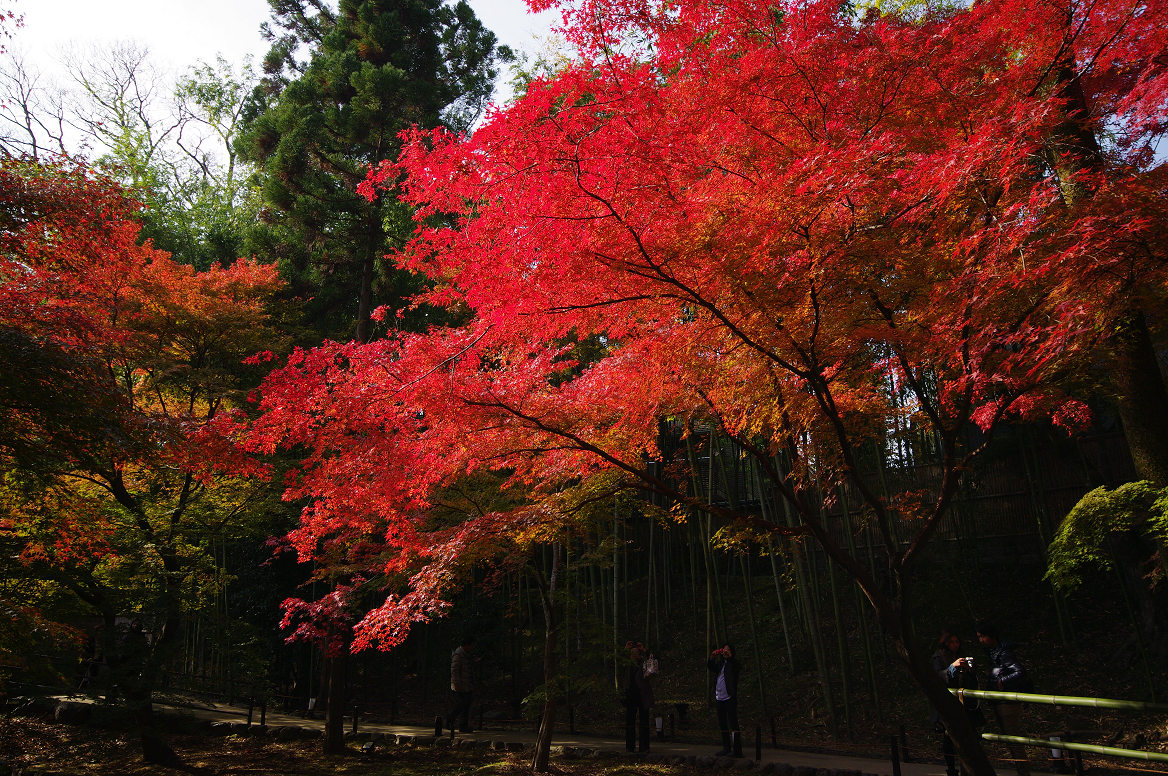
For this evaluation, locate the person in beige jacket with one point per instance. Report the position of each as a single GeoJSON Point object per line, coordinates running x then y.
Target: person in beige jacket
{"type": "Point", "coordinates": [461, 684]}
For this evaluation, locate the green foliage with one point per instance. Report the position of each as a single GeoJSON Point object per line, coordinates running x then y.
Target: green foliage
{"type": "Point", "coordinates": [1081, 541]}
{"type": "Point", "coordinates": [205, 210]}
{"type": "Point", "coordinates": [374, 69]}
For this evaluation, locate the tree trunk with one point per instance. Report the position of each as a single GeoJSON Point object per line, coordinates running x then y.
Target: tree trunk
{"type": "Point", "coordinates": [365, 297]}
{"type": "Point", "coordinates": [953, 716]}
{"type": "Point", "coordinates": [1135, 556]}
{"type": "Point", "coordinates": [1136, 380]}
{"type": "Point", "coordinates": [551, 679]}
{"type": "Point", "coordinates": [1142, 398]}
{"type": "Point", "coordinates": [139, 691]}
{"type": "Point", "coordinates": [890, 602]}
{"type": "Point", "coordinates": [334, 716]}
{"type": "Point", "coordinates": [1135, 374]}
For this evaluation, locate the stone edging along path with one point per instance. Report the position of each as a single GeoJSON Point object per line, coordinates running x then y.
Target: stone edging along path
{"type": "Point", "coordinates": [209, 721]}
{"type": "Point", "coordinates": [380, 739]}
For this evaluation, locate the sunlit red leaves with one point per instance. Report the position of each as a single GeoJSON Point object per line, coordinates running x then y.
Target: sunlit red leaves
{"type": "Point", "coordinates": [775, 217]}
{"type": "Point", "coordinates": [324, 622]}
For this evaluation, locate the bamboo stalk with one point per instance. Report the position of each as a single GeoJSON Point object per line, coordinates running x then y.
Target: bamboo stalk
{"type": "Point", "coordinates": [1035, 487]}
{"type": "Point", "coordinates": [858, 603]}
{"type": "Point", "coordinates": [768, 516]}
{"type": "Point", "coordinates": [754, 637]}
{"type": "Point", "coordinates": [650, 591]}
{"type": "Point", "coordinates": [1062, 700]}
{"type": "Point", "coordinates": [810, 617]}
{"type": "Point", "coordinates": [1134, 754]}
{"type": "Point", "coordinates": [615, 597]}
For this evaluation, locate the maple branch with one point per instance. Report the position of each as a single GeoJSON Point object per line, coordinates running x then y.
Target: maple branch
{"type": "Point", "coordinates": [658, 272]}
{"type": "Point", "coordinates": [764, 459]}
{"type": "Point", "coordinates": [246, 501]}
{"type": "Point", "coordinates": [122, 495]}
{"type": "Point", "coordinates": [811, 521]}
{"type": "Point", "coordinates": [765, 133]}
{"type": "Point", "coordinates": [954, 469]}
{"type": "Point", "coordinates": [814, 94]}
{"type": "Point", "coordinates": [821, 390]}
{"type": "Point", "coordinates": [605, 303]}
{"type": "Point", "coordinates": [906, 367]}
{"type": "Point", "coordinates": [449, 360]}
{"type": "Point", "coordinates": [581, 445]}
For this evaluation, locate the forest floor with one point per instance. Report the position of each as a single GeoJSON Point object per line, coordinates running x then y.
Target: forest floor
{"type": "Point", "coordinates": [36, 744]}
{"type": "Point", "coordinates": [30, 746]}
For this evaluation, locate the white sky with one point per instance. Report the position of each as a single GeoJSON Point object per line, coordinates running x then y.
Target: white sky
{"type": "Point", "coordinates": [180, 33]}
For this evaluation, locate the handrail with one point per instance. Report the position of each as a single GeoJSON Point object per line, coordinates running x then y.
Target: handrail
{"type": "Point", "coordinates": [1134, 754]}
{"type": "Point", "coordinates": [1061, 700]}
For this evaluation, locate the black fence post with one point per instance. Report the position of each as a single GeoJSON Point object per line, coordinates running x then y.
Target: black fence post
{"type": "Point", "coordinates": [895, 746]}
{"type": "Point", "coordinates": [438, 728]}
{"type": "Point", "coordinates": [758, 743]}
{"type": "Point", "coordinates": [356, 715]}
{"type": "Point", "coordinates": [250, 708]}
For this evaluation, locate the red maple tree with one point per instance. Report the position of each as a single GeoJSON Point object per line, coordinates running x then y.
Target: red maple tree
{"type": "Point", "coordinates": [121, 385]}
{"type": "Point", "coordinates": [786, 220]}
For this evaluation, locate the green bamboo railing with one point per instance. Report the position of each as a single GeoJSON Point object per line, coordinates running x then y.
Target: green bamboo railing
{"type": "Point", "coordinates": [1061, 700]}
{"type": "Point", "coordinates": [1132, 754]}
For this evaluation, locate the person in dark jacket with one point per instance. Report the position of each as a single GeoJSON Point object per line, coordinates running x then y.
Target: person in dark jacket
{"type": "Point", "coordinates": [461, 685]}
{"type": "Point", "coordinates": [1008, 675]}
{"type": "Point", "coordinates": [638, 698]}
{"type": "Point", "coordinates": [724, 666]}
{"type": "Point", "coordinates": [953, 669]}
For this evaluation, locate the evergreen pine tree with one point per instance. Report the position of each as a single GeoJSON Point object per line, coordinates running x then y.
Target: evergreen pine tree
{"type": "Point", "coordinates": [339, 87]}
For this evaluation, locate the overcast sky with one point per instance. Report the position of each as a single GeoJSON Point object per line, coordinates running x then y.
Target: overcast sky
{"type": "Point", "coordinates": [180, 33]}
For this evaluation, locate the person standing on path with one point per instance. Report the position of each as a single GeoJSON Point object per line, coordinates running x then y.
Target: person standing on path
{"type": "Point", "coordinates": [725, 669]}
{"type": "Point", "coordinates": [1008, 675]}
{"type": "Point", "coordinates": [638, 698]}
{"type": "Point", "coordinates": [957, 672]}
{"type": "Point", "coordinates": [461, 684]}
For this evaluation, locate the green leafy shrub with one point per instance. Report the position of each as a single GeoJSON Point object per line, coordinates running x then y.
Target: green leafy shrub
{"type": "Point", "coordinates": [1081, 541]}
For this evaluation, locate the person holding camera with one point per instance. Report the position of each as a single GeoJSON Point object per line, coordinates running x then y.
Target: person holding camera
{"type": "Point", "coordinates": [724, 666]}
{"type": "Point", "coordinates": [956, 672]}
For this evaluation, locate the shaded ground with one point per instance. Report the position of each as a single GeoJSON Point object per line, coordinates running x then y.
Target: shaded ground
{"type": "Point", "coordinates": [39, 745]}
{"type": "Point", "coordinates": [61, 749]}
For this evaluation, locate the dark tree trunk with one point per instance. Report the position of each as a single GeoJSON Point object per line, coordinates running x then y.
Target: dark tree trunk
{"type": "Point", "coordinates": [138, 681]}
{"type": "Point", "coordinates": [1134, 373]}
{"type": "Point", "coordinates": [953, 715]}
{"type": "Point", "coordinates": [1142, 398]}
{"type": "Point", "coordinates": [334, 716]}
{"type": "Point", "coordinates": [365, 298]}
{"type": "Point", "coordinates": [551, 669]}
{"type": "Point", "coordinates": [1136, 556]}
{"type": "Point", "coordinates": [890, 602]}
